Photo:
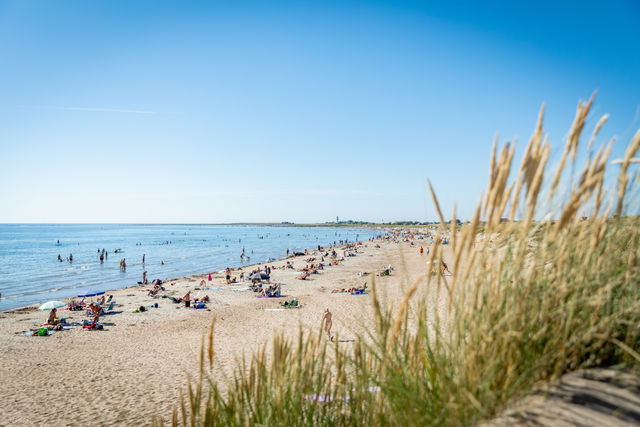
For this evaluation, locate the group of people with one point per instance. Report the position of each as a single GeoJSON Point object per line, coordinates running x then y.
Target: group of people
{"type": "Point", "coordinates": [103, 255]}
{"type": "Point", "coordinates": [186, 299]}
{"type": "Point", "coordinates": [96, 309]}
{"type": "Point", "coordinates": [353, 291]}
{"type": "Point", "coordinates": [272, 291]}
{"type": "Point", "coordinates": [69, 259]}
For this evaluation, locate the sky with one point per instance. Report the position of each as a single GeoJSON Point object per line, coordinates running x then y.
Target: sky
{"type": "Point", "coordinates": [216, 112]}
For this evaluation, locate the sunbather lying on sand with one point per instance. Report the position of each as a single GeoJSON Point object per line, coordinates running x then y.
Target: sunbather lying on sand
{"type": "Point", "coordinates": [272, 291]}
{"type": "Point", "coordinates": [387, 271]}
{"type": "Point", "coordinates": [294, 303]}
{"type": "Point", "coordinates": [153, 292]}
{"type": "Point", "coordinates": [353, 290]}
{"type": "Point", "coordinates": [74, 305]}
{"type": "Point", "coordinates": [95, 310]}
{"type": "Point", "coordinates": [303, 276]}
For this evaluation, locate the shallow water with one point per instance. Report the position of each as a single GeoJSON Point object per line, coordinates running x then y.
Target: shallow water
{"type": "Point", "coordinates": [30, 272]}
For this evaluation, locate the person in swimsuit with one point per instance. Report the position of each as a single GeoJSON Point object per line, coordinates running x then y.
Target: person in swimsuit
{"type": "Point", "coordinates": [187, 299]}
{"type": "Point", "coordinates": [328, 323]}
{"type": "Point", "coordinates": [52, 317]}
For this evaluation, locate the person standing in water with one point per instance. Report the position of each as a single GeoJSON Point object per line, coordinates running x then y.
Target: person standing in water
{"type": "Point", "coordinates": [143, 256]}
{"type": "Point", "coordinates": [327, 323]}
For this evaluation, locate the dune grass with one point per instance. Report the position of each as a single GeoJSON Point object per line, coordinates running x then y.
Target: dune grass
{"type": "Point", "coordinates": [536, 296]}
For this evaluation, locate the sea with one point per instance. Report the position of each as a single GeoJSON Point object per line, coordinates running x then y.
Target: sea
{"type": "Point", "coordinates": [30, 272]}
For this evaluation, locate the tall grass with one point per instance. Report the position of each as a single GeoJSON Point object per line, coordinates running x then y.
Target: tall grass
{"type": "Point", "coordinates": [552, 289]}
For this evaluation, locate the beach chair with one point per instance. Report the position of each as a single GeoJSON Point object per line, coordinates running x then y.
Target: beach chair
{"type": "Point", "coordinates": [109, 309]}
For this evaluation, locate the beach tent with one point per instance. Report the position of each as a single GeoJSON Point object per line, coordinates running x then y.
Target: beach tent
{"type": "Point", "coordinates": [90, 293]}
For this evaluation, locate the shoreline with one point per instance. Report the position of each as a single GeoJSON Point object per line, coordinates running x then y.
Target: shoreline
{"type": "Point", "coordinates": [150, 353]}
{"type": "Point", "coordinates": [198, 276]}
{"type": "Point", "coordinates": [232, 265]}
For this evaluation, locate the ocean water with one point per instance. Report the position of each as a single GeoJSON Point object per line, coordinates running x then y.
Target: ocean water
{"type": "Point", "coordinates": [30, 272]}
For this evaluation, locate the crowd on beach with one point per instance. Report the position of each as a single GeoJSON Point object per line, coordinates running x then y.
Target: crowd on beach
{"type": "Point", "coordinates": [256, 279]}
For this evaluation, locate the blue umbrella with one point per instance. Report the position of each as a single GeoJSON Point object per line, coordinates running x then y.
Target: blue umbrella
{"type": "Point", "coordinates": [90, 293]}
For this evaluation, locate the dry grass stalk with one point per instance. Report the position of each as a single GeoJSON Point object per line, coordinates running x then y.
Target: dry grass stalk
{"type": "Point", "coordinates": [534, 300]}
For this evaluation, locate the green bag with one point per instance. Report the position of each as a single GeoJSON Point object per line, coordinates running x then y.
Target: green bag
{"type": "Point", "coordinates": [43, 332]}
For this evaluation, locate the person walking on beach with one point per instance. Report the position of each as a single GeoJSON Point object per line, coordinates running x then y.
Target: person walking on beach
{"type": "Point", "coordinates": [327, 323]}
{"type": "Point", "coordinates": [144, 278]}
{"type": "Point", "coordinates": [445, 267]}
{"type": "Point", "coordinates": [421, 250]}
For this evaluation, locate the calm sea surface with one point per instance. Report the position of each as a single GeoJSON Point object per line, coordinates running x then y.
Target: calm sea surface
{"type": "Point", "coordinates": [31, 273]}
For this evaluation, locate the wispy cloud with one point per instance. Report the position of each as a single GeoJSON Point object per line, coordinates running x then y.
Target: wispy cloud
{"type": "Point", "coordinates": [90, 109]}
{"type": "Point", "coordinates": [284, 192]}
{"type": "Point", "coordinates": [105, 110]}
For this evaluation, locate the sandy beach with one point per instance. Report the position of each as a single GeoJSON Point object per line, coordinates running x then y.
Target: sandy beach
{"type": "Point", "coordinates": [133, 369]}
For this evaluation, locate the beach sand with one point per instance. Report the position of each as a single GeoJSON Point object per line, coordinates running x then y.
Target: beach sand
{"type": "Point", "coordinates": [132, 370]}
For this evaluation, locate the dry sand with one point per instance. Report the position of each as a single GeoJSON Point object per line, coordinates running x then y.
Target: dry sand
{"type": "Point", "coordinates": [133, 369]}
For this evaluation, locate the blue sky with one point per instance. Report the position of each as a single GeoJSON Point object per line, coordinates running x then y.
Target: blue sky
{"type": "Point", "coordinates": [121, 111]}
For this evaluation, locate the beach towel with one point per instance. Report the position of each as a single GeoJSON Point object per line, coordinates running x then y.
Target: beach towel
{"type": "Point", "coordinates": [36, 333]}
{"type": "Point", "coordinates": [273, 309]}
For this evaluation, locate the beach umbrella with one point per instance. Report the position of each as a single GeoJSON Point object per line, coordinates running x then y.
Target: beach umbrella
{"type": "Point", "coordinates": [51, 305]}
{"type": "Point", "coordinates": [90, 293]}
{"type": "Point", "coordinates": [259, 276]}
